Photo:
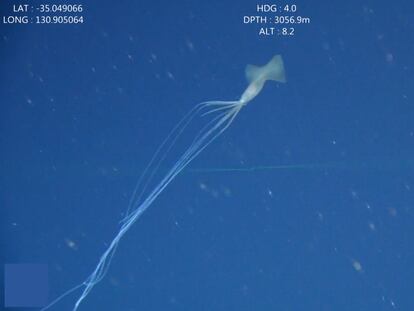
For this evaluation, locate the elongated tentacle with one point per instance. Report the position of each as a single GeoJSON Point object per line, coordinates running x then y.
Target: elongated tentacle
{"type": "Point", "coordinates": [221, 115]}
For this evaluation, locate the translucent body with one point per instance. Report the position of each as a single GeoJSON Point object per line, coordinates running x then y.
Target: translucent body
{"type": "Point", "coordinates": [215, 117]}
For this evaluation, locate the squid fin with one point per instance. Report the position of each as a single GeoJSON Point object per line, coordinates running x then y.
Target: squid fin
{"type": "Point", "coordinates": [273, 70]}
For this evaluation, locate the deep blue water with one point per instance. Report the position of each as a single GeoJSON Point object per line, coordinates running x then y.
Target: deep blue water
{"type": "Point", "coordinates": [84, 107]}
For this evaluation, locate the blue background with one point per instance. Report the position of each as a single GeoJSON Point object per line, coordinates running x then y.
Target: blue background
{"type": "Point", "coordinates": [84, 107]}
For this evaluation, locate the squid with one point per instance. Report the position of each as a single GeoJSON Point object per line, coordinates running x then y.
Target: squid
{"type": "Point", "coordinates": [217, 116]}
